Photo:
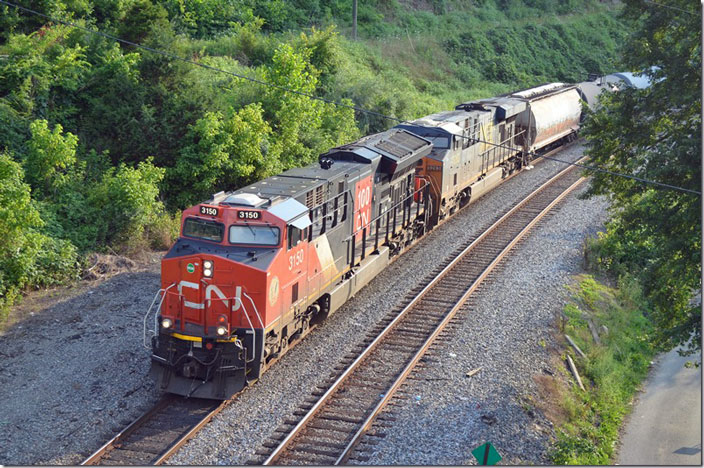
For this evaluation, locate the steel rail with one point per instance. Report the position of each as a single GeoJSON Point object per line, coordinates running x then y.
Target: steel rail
{"type": "Point", "coordinates": [97, 455]}
{"type": "Point", "coordinates": [367, 351]}
{"type": "Point", "coordinates": [166, 454]}
{"type": "Point", "coordinates": [121, 439]}
{"type": "Point", "coordinates": [421, 352]}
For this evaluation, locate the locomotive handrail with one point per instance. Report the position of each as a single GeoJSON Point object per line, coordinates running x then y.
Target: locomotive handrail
{"type": "Point", "coordinates": [251, 326]}
{"type": "Point", "coordinates": [254, 307]}
{"type": "Point", "coordinates": [156, 322]}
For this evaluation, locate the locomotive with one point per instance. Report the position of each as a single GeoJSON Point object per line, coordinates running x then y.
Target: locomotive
{"type": "Point", "coordinates": [253, 270]}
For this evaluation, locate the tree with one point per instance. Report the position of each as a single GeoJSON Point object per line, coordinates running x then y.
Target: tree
{"type": "Point", "coordinates": [224, 153]}
{"type": "Point", "coordinates": [655, 133]}
{"type": "Point", "coordinates": [50, 155]}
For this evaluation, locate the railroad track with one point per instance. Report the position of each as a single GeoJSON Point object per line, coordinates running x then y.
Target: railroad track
{"type": "Point", "coordinates": [158, 433]}
{"type": "Point", "coordinates": [326, 429]}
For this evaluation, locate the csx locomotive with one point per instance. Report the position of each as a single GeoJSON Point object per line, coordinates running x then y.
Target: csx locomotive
{"type": "Point", "coordinates": [253, 269]}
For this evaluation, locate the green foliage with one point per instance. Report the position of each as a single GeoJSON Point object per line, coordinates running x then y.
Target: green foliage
{"type": "Point", "coordinates": [225, 151]}
{"type": "Point", "coordinates": [125, 203]}
{"type": "Point", "coordinates": [49, 156]}
{"type": "Point", "coordinates": [27, 257]}
{"type": "Point", "coordinates": [611, 371]}
{"type": "Point", "coordinates": [655, 133]}
{"type": "Point", "coordinates": [42, 71]}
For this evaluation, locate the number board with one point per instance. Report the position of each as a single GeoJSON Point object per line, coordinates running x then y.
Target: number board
{"type": "Point", "coordinates": [242, 214]}
{"type": "Point", "coordinates": [208, 210]}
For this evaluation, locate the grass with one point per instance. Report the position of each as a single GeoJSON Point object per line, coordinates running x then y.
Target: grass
{"type": "Point", "coordinates": [611, 372]}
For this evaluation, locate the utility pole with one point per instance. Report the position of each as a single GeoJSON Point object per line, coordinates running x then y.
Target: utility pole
{"type": "Point", "coordinates": [354, 19]}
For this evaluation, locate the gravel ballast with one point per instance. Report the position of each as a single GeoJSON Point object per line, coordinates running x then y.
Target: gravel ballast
{"type": "Point", "coordinates": [509, 333]}
{"type": "Point", "coordinates": [76, 373]}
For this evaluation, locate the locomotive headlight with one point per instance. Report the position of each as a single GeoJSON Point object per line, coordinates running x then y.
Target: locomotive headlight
{"type": "Point", "coordinates": [166, 323]}
{"type": "Point", "coordinates": [222, 331]}
{"type": "Point", "coordinates": [207, 268]}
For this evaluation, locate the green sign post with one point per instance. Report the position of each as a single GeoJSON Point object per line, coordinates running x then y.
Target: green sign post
{"type": "Point", "coordinates": [486, 454]}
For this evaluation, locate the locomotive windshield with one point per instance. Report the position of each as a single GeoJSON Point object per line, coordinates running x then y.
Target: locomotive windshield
{"type": "Point", "coordinates": [254, 234]}
{"type": "Point", "coordinates": [202, 229]}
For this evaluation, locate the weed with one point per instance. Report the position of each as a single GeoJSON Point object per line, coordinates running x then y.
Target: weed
{"type": "Point", "coordinates": [614, 368]}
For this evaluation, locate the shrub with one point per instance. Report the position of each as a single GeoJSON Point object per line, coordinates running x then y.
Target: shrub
{"type": "Point", "coordinates": [126, 202]}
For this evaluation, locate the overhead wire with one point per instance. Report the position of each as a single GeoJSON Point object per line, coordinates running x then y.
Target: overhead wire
{"type": "Point", "coordinates": [319, 98]}
{"type": "Point", "coordinates": [662, 5]}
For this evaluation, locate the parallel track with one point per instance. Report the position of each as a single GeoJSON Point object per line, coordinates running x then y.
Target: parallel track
{"type": "Point", "coordinates": [328, 430]}
{"type": "Point", "coordinates": [158, 433]}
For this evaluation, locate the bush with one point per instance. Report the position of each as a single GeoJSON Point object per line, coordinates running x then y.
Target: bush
{"type": "Point", "coordinates": [56, 263]}
{"type": "Point", "coordinates": [27, 257]}
{"type": "Point", "coordinates": [126, 202]}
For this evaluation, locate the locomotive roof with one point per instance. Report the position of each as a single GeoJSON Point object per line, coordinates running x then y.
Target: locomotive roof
{"type": "Point", "coordinates": [397, 149]}
{"type": "Point", "coordinates": [447, 121]}
{"type": "Point", "coordinates": [281, 187]}
{"type": "Point", "coordinates": [394, 144]}
{"type": "Point", "coordinates": [296, 181]}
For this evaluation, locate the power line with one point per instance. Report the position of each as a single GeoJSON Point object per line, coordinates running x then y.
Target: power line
{"type": "Point", "coordinates": [588, 167]}
{"type": "Point", "coordinates": [328, 101]}
{"type": "Point", "coordinates": [670, 7]}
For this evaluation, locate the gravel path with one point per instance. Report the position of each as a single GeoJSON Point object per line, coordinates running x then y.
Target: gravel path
{"type": "Point", "coordinates": [76, 372]}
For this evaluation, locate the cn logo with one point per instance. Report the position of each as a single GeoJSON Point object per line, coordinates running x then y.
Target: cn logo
{"type": "Point", "coordinates": [362, 204]}
{"type": "Point", "coordinates": [209, 291]}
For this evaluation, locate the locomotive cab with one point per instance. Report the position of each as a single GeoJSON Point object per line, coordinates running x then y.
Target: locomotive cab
{"type": "Point", "coordinates": [220, 288]}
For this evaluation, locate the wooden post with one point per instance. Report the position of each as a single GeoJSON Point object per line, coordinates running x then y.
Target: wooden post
{"type": "Point", "coordinates": [574, 345]}
{"type": "Point", "coordinates": [573, 368]}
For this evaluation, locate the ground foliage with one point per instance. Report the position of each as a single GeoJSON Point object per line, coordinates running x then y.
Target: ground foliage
{"type": "Point", "coordinates": [103, 143]}
{"type": "Point", "coordinates": [611, 370]}
{"type": "Point", "coordinates": [655, 133]}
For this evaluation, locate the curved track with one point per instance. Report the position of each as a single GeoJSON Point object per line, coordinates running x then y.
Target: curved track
{"type": "Point", "coordinates": [327, 431]}
{"type": "Point", "coordinates": [158, 433]}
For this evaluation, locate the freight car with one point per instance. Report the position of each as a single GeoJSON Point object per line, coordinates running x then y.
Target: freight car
{"type": "Point", "coordinates": [254, 269]}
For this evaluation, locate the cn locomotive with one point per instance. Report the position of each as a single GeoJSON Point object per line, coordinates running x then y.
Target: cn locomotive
{"type": "Point", "coordinates": [254, 269]}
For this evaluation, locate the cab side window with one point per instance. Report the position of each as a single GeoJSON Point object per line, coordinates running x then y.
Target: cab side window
{"type": "Point", "coordinates": [295, 236]}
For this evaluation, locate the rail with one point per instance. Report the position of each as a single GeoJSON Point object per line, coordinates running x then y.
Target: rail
{"type": "Point", "coordinates": [462, 276]}
{"type": "Point", "coordinates": [153, 437]}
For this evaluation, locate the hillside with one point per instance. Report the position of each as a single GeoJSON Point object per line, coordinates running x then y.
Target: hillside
{"type": "Point", "coordinates": [101, 142]}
